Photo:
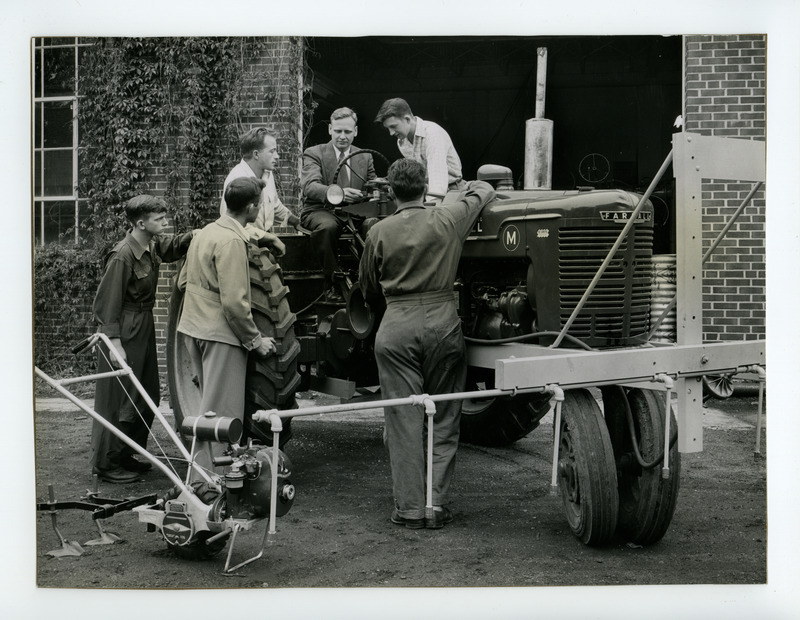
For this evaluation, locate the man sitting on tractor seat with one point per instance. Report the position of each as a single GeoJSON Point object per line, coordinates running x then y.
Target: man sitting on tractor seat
{"type": "Point", "coordinates": [319, 166]}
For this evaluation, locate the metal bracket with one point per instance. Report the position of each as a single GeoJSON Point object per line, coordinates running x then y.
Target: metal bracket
{"type": "Point", "coordinates": [558, 395]}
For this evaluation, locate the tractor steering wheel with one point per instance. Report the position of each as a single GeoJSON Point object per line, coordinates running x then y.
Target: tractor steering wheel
{"type": "Point", "coordinates": [356, 154]}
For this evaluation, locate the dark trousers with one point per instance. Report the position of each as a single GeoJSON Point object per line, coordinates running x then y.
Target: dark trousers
{"type": "Point", "coordinates": [117, 400]}
{"type": "Point", "coordinates": [326, 228]}
{"type": "Point", "coordinates": [420, 350]}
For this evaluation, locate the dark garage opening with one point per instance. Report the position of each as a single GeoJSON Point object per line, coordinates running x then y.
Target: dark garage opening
{"type": "Point", "coordinates": [614, 96]}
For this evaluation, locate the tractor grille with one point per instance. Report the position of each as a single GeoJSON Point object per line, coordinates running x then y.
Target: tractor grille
{"type": "Point", "coordinates": [617, 312]}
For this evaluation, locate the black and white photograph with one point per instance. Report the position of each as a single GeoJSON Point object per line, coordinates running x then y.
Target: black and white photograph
{"type": "Point", "coordinates": [461, 309]}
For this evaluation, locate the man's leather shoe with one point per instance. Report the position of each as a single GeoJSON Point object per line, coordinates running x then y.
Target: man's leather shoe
{"type": "Point", "coordinates": [130, 463]}
{"type": "Point", "coordinates": [332, 295]}
{"type": "Point", "coordinates": [441, 517]}
{"type": "Point", "coordinates": [412, 524]}
{"type": "Point", "coordinates": [116, 476]}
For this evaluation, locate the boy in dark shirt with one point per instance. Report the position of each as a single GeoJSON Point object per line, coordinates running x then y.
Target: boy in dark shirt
{"type": "Point", "coordinates": [123, 309]}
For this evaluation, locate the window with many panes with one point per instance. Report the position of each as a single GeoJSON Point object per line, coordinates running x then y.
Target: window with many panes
{"type": "Point", "coordinates": [56, 205]}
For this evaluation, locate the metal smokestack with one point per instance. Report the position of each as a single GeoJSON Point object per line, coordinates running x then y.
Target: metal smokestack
{"type": "Point", "coordinates": [539, 135]}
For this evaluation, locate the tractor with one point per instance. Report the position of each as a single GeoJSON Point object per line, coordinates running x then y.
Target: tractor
{"type": "Point", "coordinates": [527, 262]}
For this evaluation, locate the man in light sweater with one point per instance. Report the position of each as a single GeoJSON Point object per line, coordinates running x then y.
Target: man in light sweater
{"type": "Point", "coordinates": [259, 156]}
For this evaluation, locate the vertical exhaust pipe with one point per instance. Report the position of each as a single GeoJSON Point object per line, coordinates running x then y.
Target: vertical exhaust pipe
{"type": "Point", "coordinates": [539, 135]}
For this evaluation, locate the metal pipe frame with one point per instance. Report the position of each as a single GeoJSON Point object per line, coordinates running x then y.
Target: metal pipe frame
{"type": "Point", "coordinates": [558, 394]}
{"type": "Point", "coordinates": [430, 412]}
{"type": "Point", "coordinates": [125, 371]}
{"type": "Point", "coordinates": [696, 158]}
{"type": "Point", "coordinates": [723, 233]}
{"type": "Point", "coordinates": [275, 417]}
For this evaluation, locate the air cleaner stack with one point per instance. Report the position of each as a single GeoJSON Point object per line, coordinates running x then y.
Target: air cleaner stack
{"type": "Point", "coordinates": [539, 135]}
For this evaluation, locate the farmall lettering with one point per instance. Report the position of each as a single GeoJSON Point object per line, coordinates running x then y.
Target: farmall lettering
{"type": "Point", "coordinates": [511, 238]}
{"type": "Point", "coordinates": [624, 216]}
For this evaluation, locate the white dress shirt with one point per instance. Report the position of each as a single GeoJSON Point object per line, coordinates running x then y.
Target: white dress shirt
{"type": "Point", "coordinates": [270, 206]}
{"type": "Point", "coordinates": [433, 147]}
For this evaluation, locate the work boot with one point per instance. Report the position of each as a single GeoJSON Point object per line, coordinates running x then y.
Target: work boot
{"type": "Point", "coordinates": [116, 476]}
{"type": "Point", "coordinates": [332, 295]}
{"type": "Point", "coordinates": [129, 462]}
{"type": "Point", "coordinates": [412, 524]}
{"type": "Point", "coordinates": [441, 517]}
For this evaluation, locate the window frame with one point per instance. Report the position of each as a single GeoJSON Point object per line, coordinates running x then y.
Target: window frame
{"type": "Point", "coordinates": [39, 47]}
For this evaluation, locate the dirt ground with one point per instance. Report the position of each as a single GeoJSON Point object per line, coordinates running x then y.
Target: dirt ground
{"type": "Point", "coordinates": [508, 529]}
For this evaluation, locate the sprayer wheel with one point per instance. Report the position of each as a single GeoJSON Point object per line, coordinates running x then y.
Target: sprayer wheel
{"type": "Point", "coordinates": [717, 386]}
{"type": "Point", "coordinates": [587, 479]}
{"type": "Point", "coordinates": [646, 501]}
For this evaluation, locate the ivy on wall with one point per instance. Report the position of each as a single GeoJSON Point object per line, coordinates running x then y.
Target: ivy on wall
{"type": "Point", "coordinates": [64, 282]}
{"type": "Point", "coordinates": [171, 110]}
{"type": "Point", "coordinates": [162, 115]}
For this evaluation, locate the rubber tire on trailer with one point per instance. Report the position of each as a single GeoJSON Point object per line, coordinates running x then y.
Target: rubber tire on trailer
{"type": "Point", "coordinates": [499, 422]}
{"type": "Point", "coordinates": [587, 477]}
{"type": "Point", "coordinates": [271, 382]}
{"type": "Point", "coordinates": [646, 501]}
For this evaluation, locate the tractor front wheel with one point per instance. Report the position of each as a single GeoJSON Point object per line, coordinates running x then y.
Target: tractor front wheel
{"type": "Point", "coordinates": [499, 421]}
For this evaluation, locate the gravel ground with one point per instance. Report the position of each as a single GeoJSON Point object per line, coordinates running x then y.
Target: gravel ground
{"type": "Point", "coordinates": [507, 550]}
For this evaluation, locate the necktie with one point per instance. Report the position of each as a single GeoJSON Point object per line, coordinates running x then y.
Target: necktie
{"type": "Point", "coordinates": [343, 180]}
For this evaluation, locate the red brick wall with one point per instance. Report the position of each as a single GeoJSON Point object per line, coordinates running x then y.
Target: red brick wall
{"type": "Point", "coordinates": [277, 109]}
{"type": "Point", "coordinates": [725, 95]}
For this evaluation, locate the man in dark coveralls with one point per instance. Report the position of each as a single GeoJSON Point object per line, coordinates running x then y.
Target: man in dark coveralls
{"type": "Point", "coordinates": [411, 258]}
{"type": "Point", "coordinates": [123, 309]}
{"type": "Point", "coordinates": [319, 166]}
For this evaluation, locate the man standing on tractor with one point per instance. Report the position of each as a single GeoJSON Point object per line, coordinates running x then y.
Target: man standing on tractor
{"type": "Point", "coordinates": [426, 142]}
{"type": "Point", "coordinates": [123, 308]}
{"type": "Point", "coordinates": [319, 168]}
{"type": "Point", "coordinates": [259, 150]}
{"type": "Point", "coordinates": [410, 258]}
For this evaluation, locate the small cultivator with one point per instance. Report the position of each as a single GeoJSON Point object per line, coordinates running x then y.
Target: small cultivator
{"type": "Point", "coordinates": [243, 486]}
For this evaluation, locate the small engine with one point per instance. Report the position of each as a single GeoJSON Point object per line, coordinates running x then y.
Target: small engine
{"type": "Point", "coordinates": [243, 493]}
{"type": "Point", "coordinates": [198, 517]}
{"type": "Point", "coordinates": [248, 483]}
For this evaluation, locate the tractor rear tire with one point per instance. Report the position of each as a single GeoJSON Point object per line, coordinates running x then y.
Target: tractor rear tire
{"type": "Point", "coordinates": [272, 381]}
{"type": "Point", "coordinates": [497, 422]}
{"type": "Point", "coordinates": [587, 477]}
{"type": "Point", "coordinates": [646, 501]}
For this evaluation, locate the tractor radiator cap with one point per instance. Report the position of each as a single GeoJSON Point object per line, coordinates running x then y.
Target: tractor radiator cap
{"type": "Point", "coordinates": [494, 172]}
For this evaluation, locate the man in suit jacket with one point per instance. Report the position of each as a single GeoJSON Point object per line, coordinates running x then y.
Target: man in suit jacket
{"type": "Point", "coordinates": [319, 166]}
